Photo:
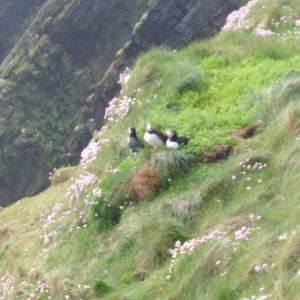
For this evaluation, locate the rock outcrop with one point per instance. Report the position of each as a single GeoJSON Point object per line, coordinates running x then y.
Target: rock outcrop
{"type": "Point", "coordinates": [59, 76]}
{"type": "Point", "coordinates": [15, 16]}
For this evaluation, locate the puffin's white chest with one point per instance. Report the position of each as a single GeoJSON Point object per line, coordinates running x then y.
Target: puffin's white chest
{"type": "Point", "coordinates": [153, 139]}
{"type": "Point", "coordinates": [173, 145]}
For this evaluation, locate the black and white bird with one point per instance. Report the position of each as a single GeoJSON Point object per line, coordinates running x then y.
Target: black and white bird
{"type": "Point", "coordinates": [154, 137]}
{"type": "Point", "coordinates": [174, 141]}
{"type": "Point", "coordinates": [133, 142]}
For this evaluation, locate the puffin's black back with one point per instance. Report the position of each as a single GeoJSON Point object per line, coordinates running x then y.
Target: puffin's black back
{"type": "Point", "coordinates": [132, 132]}
{"type": "Point", "coordinates": [173, 137]}
{"type": "Point", "coordinates": [162, 136]}
{"type": "Point", "coordinates": [133, 142]}
{"type": "Point", "coordinates": [183, 140]}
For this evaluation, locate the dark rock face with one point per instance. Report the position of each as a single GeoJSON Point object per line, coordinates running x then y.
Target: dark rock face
{"type": "Point", "coordinates": [59, 76]}
{"type": "Point", "coordinates": [46, 79]}
{"type": "Point", "coordinates": [177, 23]}
{"type": "Point", "coordinates": [13, 21]}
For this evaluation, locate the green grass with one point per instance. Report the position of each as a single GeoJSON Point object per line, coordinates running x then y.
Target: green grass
{"type": "Point", "coordinates": [206, 90]}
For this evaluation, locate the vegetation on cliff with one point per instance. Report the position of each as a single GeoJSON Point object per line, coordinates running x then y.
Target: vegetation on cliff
{"type": "Point", "coordinates": [192, 224]}
{"type": "Point", "coordinates": [48, 79]}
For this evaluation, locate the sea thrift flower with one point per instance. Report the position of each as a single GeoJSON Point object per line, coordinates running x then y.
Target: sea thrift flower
{"type": "Point", "coordinates": [237, 19]}
{"type": "Point", "coordinates": [189, 246]}
{"type": "Point", "coordinates": [51, 222]}
{"type": "Point", "coordinates": [218, 262]}
{"type": "Point", "coordinates": [97, 192]}
{"type": "Point", "coordinates": [257, 269]}
{"type": "Point", "coordinates": [80, 185]}
{"type": "Point", "coordinates": [262, 297]}
{"type": "Point", "coordinates": [223, 274]}
{"type": "Point", "coordinates": [260, 268]}
{"type": "Point", "coordinates": [90, 152]}
{"type": "Point", "coordinates": [124, 78]}
{"type": "Point", "coordinates": [7, 286]}
{"type": "Point", "coordinates": [86, 287]}
{"type": "Point", "coordinates": [227, 240]}
{"type": "Point", "coordinates": [36, 290]}
{"type": "Point", "coordinates": [56, 218]}
{"type": "Point", "coordinates": [263, 32]}
{"type": "Point", "coordinates": [283, 237]}
{"type": "Point", "coordinates": [51, 174]}
{"type": "Point", "coordinates": [242, 234]}
{"type": "Point", "coordinates": [118, 108]}
{"type": "Point", "coordinates": [253, 218]}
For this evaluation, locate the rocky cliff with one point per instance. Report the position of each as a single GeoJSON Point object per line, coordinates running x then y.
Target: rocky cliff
{"type": "Point", "coordinates": [14, 18]}
{"type": "Point", "coordinates": [59, 70]}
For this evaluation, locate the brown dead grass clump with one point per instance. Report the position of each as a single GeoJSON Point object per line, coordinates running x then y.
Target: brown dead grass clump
{"type": "Point", "coordinates": [144, 182]}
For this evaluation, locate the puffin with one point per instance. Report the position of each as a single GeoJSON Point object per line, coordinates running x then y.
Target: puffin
{"type": "Point", "coordinates": [153, 137]}
{"type": "Point", "coordinates": [133, 142]}
{"type": "Point", "coordinates": [174, 141]}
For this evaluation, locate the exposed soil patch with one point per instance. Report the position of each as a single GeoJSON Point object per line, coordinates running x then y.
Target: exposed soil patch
{"type": "Point", "coordinates": [145, 182]}
{"type": "Point", "coordinates": [214, 156]}
{"type": "Point", "coordinates": [246, 132]}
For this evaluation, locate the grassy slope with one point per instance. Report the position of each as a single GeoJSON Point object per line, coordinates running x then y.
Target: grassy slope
{"type": "Point", "coordinates": [206, 90]}
{"type": "Point", "coordinates": [19, 238]}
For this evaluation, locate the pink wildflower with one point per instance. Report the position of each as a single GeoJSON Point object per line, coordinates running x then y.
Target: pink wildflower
{"type": "Point", "coordinates": [263, 33]}
{"type": "Point", "coordinates": [80, 185]}
{"type": "Point", "coordinates": [237, 19]}
{"type": "Point", "coordinates": [90, 152]}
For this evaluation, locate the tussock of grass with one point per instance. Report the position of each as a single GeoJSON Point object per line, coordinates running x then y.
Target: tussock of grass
{"type": "Point", "coordinates": [162, 73]}
{"type": "Point", "coordinates": [170, 162]}
{"type": "Point", "coordinates": [62, 175]}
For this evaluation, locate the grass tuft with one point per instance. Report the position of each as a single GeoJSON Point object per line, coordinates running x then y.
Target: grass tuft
{"type": "Point", "coordinates": [171, 162]}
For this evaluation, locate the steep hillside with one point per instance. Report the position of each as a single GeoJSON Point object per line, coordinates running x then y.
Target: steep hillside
{"type": "Point", "coordinates": [54, 80]}
{"type": "Point", "coordinates": [216, 219]}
